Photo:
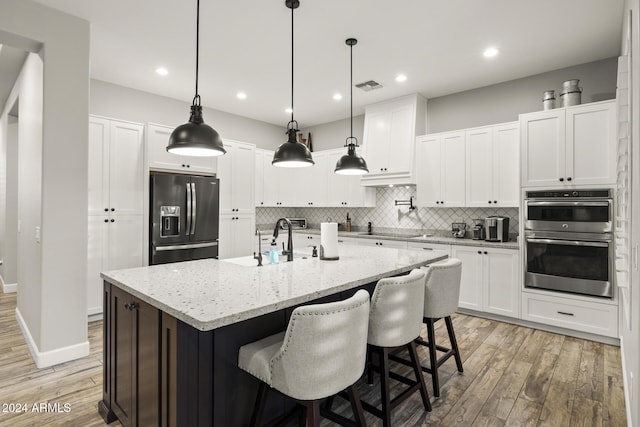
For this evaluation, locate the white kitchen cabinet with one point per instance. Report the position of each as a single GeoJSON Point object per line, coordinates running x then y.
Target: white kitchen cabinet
{"type": "Point", "coordinates": [306, 187]}
{"type": "Point", "coordinates": [440, 170]}
{"type": "Point", "coordinates": [571, 313]}
{"type": "Point", "coordinates": [160, 159]}
{"type": "Point", "coordinates": [390, 129]}
{"type": "Point", "coordinates": [236, 171]}
{"type": "Point", "coordinates": [492, 166]}
{"type": "Point", "coordinates": [385, 243]}
{"type": "Point", "coordinates": [569, 146]}
{"type": "Point", "coordinates": [423, 246]}
{"type": "Point", "coordinates": [237, 235]}
{"type": "Point", "coordinates": [269, 179]}
{"type": "Point", "coordinates": [302, 241]}
{"type": "Point", "coordinates": [115, 201]}
{"type": "Point", "coordinates": [347, 240]}
{"type": "Point", "coordinates": [490, 279]}
{"type": "Point", "coordinates": [345, 190]}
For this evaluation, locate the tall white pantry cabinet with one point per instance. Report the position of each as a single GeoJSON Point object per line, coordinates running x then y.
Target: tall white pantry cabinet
{"type": "Point", "coordinates": [115, 201]}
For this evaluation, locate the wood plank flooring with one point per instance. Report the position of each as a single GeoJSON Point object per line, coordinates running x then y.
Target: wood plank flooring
{"type": "Point", "coordinates": [513, 376]}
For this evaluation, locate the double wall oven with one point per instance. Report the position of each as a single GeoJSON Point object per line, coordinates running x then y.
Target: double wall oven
{"type": "Point", "coordinates": [569, 241]}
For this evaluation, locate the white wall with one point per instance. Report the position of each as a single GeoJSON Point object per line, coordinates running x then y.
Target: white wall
{"type": "Point", "coordinates": [124, 103]}
{"type": "Point", "coordinates": [631, 337]}
{"type": "Point", "coordinates": [503, 102]}
{"type": "Point", "coordinates": [52, 301]}
{"type": "Point", "coordinates": [333, 134]}
{"type": "Point", "coordinates": [10, 238]}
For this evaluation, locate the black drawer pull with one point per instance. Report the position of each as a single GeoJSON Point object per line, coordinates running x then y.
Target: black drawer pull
{"type": "Point", "coordinates": [565, 313]}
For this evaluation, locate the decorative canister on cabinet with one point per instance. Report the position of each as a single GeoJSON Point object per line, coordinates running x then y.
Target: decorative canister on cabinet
{"type": "Point", "coordinates": [549, 100]}
{"type": "Point", "coordinates": [571, 93]}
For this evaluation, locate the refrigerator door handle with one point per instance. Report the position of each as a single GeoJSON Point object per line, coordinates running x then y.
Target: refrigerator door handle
{"type": "Point", "coordinates": [188, 227]}
{"type": "Point", "coordinates": [193, 208]}
{"type": "Point", "coordinates": [180, 247]}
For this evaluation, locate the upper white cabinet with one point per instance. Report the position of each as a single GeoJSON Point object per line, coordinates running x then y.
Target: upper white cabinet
{"type": "Point", "coordinates": [492, 166]}
{"type": "Point", "coordinates": [440, 170]}
{"type": "Point", "coordinates": [115, 201]}
{"type": "Point", "coordinates": [345, 190]}
{"type": "Point", "coordinates": [390, 129]}
{"type": "Point", "coordinates": [116, 165]}
{"type": "Point", "coordinates": [569, 146]}
{"type": "Point", "coordinates": [237, 235]}
{"type": "Point", "coordinates": [161, 159]}
{"type": "Point", "coordinates": [236, 171]}
{"type": "Point", "coordinates": [316, 186]}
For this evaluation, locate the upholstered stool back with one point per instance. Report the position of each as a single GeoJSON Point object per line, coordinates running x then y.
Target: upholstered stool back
{"type": "Point", "coordinates": [442, 290]}
{"type": "Point", "coordinates": [396, 311]}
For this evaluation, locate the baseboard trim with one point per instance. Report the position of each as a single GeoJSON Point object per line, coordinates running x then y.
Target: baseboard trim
{"type": "Point", "coordinates": [625, 382]}
{"type": "Point", "coordinates": [9, 288]}
{"type": "Point", "coordinates": [44, 359]}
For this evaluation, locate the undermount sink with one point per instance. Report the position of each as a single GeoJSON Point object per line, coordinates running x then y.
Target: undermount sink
{"type": "Point", "coordinates": [397, 235]}
{"type": "Point", "coordinates": [249, 261]}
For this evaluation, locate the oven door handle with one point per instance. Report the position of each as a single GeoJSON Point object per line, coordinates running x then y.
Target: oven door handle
{"type": "Point", "coordinates": [568, 242]}
{"type": "Point", "coordinates": [568, 203]}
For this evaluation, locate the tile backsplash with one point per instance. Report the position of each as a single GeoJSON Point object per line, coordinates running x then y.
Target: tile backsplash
{"type": "Point", "coordinates": [387, 215]}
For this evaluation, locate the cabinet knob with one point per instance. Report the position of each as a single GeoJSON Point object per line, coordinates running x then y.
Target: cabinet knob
{"type": "Point", "coordinates": [489, 201]}
{"type": "Point", "coordinates": [113, 209]}
{"type": "Point", "coordinates": [485, 252]}
{"type": "Point", "coordinates": [131, 306]}
{"type": "Point", "coordinates": [495, 201]}
{"type": "Point", "coordinates": [479, 252]}
{"type": "Point", "coordinates": [442, 202]}
{"type": "Point", "coordinates": [106, 209]}
{"type": "Point", "coordinates": [106, 220]}
{"type": "Point", "coordinates": [437, 202]}
{"type": "Point", "coordinates": [262, 203]}
{"type": "Point", "coordinates": [561, 179]}
{"type": "Point", "coordinates": [188, 166]}
{"type": "Point", "coordinates": [113, 220]}
{"type": "Point", "coordinates": [568, 178]}
{"type": "Point", "coordinates": [183, 165]}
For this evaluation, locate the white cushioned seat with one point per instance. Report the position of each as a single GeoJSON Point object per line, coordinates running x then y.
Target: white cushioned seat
{"type": "Point", "coordinates": [255, 358]}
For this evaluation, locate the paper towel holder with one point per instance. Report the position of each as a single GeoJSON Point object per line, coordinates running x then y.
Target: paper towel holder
{"type": "Point", "coordinates": [322, 257]}
{"type": "Point", "coordinates": [406, 203]}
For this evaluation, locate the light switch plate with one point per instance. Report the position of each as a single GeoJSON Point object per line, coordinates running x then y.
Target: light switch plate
{"type": "Point", "coordinates": [37, 234]}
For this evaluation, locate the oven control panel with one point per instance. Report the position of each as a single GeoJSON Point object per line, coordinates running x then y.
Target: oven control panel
{"type": "Point", "coordinates": [561, 194]}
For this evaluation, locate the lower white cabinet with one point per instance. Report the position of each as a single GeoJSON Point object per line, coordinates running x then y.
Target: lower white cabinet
{"type": "Point", "coordinates": [398, 244]}
{"type": "Point", "coordinates": [587, 316]}
{"type": "Point", "coordinates": [237, 235]}
{"type": "Point", "coordinates": [114, 242]}
{"type": "Point", "coordinates": [430, 247]}
{"type": "Point", "coordinates": [490, 279]}
{"type": "Point", "coordinates": [302, 241]}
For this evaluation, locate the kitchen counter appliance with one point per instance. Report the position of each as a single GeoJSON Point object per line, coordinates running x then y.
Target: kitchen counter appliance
{"type": "Point", "coordinates": [478, 229]}
{"type": "Point", "coordinates": [184, 216]}
{"type": "Point", "coordinates": [296, 224]}
{"type": "Point", "coordinates": [568, 241]}
{"type": "Point", "coordinates": [458, 229]}
{"type": "Point", "coordinates": [496, 229]}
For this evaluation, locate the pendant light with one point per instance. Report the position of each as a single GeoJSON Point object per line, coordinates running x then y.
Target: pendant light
{"type": "Point", "coordinates": [196, 138]}
{"type": "Point", "coordinates": [292, 154]}
{"type": "Point", "coordinates": [351, 163]}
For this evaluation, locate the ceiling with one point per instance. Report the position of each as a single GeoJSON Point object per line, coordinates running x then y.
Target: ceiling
{"type": "Point", "coordinates": [245, 46]}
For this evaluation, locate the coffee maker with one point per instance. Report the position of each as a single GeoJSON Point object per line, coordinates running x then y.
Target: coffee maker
{"type": "Point", "coordinates": [496, 229]}
{"type": "Point", "coordinates": [478, 229]}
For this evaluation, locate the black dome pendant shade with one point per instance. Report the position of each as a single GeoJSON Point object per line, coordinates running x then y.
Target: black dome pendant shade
{"type": "Point", "coordinates": [351, 163]}
{"type": "Point", "coordinates": [292, 154]}
{"type": "Point", "coordinates": [196, 138]}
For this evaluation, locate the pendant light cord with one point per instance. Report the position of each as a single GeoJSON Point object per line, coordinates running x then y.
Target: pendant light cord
{"type": "Point", "coordinates": [197, 96]}
{"type": "Point", "coordinates": [351, 87]}
{"type": "Point", "coordinates": [292, 9]}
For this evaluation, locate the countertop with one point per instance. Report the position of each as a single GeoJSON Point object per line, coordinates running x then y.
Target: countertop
{"type": "Point", "coordinates": [446, 240]}
{"type": "Point", "coordinates": [208, 294]}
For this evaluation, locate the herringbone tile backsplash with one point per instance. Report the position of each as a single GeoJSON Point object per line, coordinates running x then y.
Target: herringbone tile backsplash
{"type": "Point", "coordinates": [388, 216]}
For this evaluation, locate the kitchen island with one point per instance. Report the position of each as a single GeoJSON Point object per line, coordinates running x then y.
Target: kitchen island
{"type": "Point", "coordinates": [172, 331]}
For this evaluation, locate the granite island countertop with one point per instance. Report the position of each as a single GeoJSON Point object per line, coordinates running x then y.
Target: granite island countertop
{"type": "Point", "coordinates": [208, 294]}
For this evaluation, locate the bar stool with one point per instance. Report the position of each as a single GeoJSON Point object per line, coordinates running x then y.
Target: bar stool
{"type": "Point", "coordinates": [442, 292]}
{"type": "Point", "coordinates": [395, 319]}
{"type": "Point", "coordinates": [322, 352]}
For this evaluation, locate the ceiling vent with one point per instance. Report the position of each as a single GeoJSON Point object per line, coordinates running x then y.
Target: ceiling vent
{"type": "Point", "coordinates": [369, 85]}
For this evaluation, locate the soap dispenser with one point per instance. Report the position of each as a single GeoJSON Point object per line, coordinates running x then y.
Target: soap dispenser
{"type": "Point", "coordinates": [273, 253]}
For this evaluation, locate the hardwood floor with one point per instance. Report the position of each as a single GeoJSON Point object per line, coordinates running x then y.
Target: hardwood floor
{"type": "Point", "coordinates": [513, 376]}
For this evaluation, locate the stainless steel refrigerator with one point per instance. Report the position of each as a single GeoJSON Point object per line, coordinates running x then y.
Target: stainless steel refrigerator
{"type": "Point", "coordinates": [184, 214]}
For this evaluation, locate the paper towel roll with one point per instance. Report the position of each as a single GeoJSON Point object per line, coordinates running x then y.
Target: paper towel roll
{"type": "Point", "coordinates": [329, 241]}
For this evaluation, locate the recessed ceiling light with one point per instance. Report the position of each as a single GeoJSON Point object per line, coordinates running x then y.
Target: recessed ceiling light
{"type": "Point", "coordinates": [337, 96]}
{"type": "Point", "coordinates": [241, 95]}
{"type": "Point", "coordinates": [490, 52]}
{"type": "Point", "coordinates": [162, 71]}
{"type": "Point", "coordinates": [401, 78]}
{"type": "Point", "coordinates": [288, 110]}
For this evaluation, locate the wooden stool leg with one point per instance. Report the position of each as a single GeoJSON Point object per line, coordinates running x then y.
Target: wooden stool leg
{"type": "Point", "coordinates": [368, 366]}
{"type": "Point", "coordinates": [258, 407]}
{"type": "Point", "coordinates": [417, 369]}
{"type": "Point", "coordinates": [454, 343]}
{"type": "Point", "coordinates": [384, 387]}
{"type": "Point", "coordinates": [313, 413]}
{"type": "Point", "coordinates": [356, 405]}
{"type": "Point", "coordinates": [433, 357]}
